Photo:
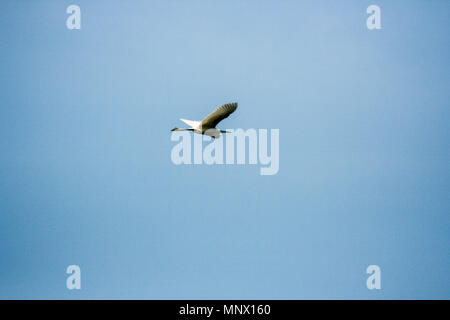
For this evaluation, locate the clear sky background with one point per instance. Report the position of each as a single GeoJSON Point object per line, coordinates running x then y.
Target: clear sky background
{"type": "Point", "coordinates": [86, 176]}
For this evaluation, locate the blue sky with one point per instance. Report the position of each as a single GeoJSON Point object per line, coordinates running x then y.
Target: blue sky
{"type": "Point", "coordinates": [86, 176]}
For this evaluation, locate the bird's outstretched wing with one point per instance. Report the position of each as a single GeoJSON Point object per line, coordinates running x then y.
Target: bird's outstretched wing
{"type": "Point", "coordinates": [218, 115]}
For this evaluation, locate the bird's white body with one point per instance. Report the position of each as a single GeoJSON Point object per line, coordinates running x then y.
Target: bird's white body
{"type": "Point", "coordinates": [198, 128]}
{"type": "Point", "coordinates": [208, 125]}
{"type": "Point", "coordinates": [192, 123]}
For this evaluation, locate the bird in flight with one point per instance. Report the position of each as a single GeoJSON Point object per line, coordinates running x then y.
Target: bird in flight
{"type": "Point", "coordinates": [208, 125]}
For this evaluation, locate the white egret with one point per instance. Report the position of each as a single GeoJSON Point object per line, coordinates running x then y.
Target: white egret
{"type": "Point", "coordinates": [208, 125]}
